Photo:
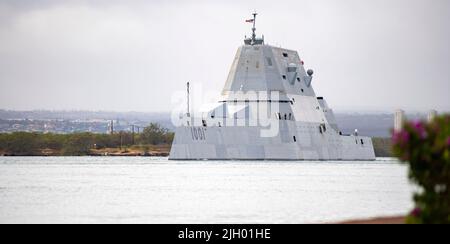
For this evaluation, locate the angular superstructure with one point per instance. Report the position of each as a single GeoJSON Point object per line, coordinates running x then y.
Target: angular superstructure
{"type": "Point", "coordinates": [268, 110]}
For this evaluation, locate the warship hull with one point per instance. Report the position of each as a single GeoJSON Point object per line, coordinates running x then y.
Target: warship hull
{"type": "Point", "coordinates": [295, 141]}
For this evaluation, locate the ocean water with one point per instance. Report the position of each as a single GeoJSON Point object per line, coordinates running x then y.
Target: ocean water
{"type": "Point", "coordinates": [155, 190]}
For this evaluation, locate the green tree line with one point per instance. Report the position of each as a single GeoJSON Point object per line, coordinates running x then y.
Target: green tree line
{"type": "Point", "coordinates": [30, 143]}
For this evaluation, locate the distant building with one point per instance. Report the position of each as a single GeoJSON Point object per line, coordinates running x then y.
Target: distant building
{"type": "Point", "coordinates": [399, 120]}
{"type": "Point", "coordinates": [431, 115]}
{"type": "Point", "coordinates": [111, 127]}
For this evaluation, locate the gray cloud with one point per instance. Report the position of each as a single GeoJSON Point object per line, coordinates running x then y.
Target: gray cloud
{"type": "Point", "coordinates": [131, 55]}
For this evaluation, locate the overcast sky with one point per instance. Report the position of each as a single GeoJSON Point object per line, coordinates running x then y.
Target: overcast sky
{"type": "Point", "coordinates": [131, 55]}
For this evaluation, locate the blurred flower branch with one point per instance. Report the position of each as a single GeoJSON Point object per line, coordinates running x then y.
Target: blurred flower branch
{"type": "Point", "coordinates": [425, 148]}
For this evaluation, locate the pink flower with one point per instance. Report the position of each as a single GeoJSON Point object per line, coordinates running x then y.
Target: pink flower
{"type": "Point", "coordinates": [416, 212]}
{"type": "Point", "coordinates": [401, 137]}
{"type": "Point", "coordinates": [395, 137]}
{"type": "Point", "coordinates": [448, 141]}
{"type": "Point", "coordinates": [419, 128]}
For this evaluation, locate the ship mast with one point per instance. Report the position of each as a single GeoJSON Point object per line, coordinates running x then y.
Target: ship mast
{"type": "Point", "coordinates": [253, 40]}
{"type": "Point", "coordinates": [254, 29]}
{"type": "Point", "coordinates": [188, 101]}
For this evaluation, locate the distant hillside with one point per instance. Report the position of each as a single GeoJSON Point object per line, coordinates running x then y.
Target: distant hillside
{"type": "Point", "coordinates": [367, 124]}
{"type": "Point", "coordinates": [374, 125]}
{"type": "Point", "coordinates": [81, 115]}
{"type": "Point", "coordinates": [77, 121]}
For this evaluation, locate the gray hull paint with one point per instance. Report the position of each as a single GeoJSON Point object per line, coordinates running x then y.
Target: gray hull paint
{"type": "Point", "coordinates": [234, 143]}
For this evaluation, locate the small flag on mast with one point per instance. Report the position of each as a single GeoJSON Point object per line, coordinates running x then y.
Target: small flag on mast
{"type": "Point", "coordinates": [249, 20]}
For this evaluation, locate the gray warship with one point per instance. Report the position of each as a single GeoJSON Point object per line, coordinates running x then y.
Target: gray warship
{"type": "Point", "coordinates": [268, 110]}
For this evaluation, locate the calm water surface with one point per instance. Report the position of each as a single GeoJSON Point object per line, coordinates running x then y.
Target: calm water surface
{"type": "Point", "coordinates": [155, 190]}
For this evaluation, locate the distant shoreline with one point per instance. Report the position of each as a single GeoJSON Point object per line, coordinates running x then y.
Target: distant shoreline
{"type": "Point", "coordinates": [378, 220]}
{"type": "Point", "coordinates": [90, 155]}
{"type": "Point", "coordinates": [134, 151]}
{"type": "Point", "coordinates": [382, 148]}
{"type": "Point", "coordinates": [154, 140]}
